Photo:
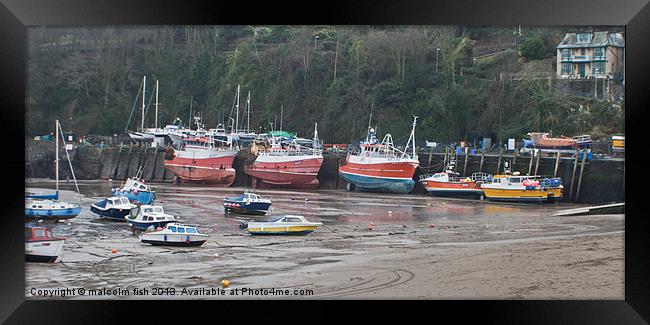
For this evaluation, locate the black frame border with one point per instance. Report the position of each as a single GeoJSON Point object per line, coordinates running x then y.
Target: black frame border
{"type": "Point", "coordinates": [15, 15]}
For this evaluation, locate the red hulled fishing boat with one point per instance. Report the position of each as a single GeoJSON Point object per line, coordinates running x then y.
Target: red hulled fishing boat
{"type": "Point", "coordinates": [291, 166]}
{"type": "Point", "coordinates": [203, 159]}
{"type": "Point", "coordinates": [380, 167]}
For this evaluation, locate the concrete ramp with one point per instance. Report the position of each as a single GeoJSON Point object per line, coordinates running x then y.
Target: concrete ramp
{"type": "Point", "coordinates": [599, 209]}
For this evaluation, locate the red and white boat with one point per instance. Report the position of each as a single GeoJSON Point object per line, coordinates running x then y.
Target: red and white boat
{"type": "Point", "coordinates": [203, 159]}
{"type": "Point", "coordinates": [380, 167]}
{"type": "Point", "coordinates": [450, 182]}
{"type": "Point", "coordinates": [41, 246]}
{"type": "Point", "coordinates": [293, 166]}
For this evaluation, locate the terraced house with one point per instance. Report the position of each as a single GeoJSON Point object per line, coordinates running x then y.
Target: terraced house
{"type": "Point", "coordinates": [591, 55]}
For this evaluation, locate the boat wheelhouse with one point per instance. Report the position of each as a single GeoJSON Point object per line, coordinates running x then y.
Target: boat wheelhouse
{"type": "Point", "coordinates": [115, 208]}
{"type": "Point", "coordinates": [144, 216]}
{"type": "Point", "coordinates": [41, 245]}
{"type": "Point", "coordinates": [174, 234]}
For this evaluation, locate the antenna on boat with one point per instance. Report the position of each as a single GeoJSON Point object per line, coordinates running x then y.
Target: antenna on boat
{"type": "Point", "coordinates": [56, 159]}
{"type": "Point", "coordinates": [237, 118]}
{"type": "Point", "coordinates": [144, 85]}
{"type": "Point", "coordinates": [156, 121]}
{"type": "Point", "coordinates": [248, 120]}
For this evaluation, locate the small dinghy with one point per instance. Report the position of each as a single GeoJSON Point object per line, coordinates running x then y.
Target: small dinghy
{"type": "Point", "coordinates": [136, 190]}
{"type": "Point", "coordinates": [41, 246]}
{"type": "Point", "coordinates": [247, 203]}
{"type": "Point", "coordinates": [284, 225]}
{"type": "Point", "coordinates": [115, 208]}
{"type": "Point", "coordinates": [145, 216]}
{"type": "Point", "coordinates": [174, 234]}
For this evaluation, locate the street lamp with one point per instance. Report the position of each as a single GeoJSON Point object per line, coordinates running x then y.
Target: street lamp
{"type": "Point", "coordinates": [315, 41]}
{"type": "Point", "coordinates": [437, 51]}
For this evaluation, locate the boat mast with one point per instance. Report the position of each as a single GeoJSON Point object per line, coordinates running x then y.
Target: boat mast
{"type": "Point", "coordinates": [412, 137]}
{"type": "Point", "coordinates": [315, 140]}
{"type": "Point", "coordinates": [156, 126]}
{"type": "Point", "coordinates": [144, 85]}
{"type": "Point", "coordinates": [248, 121]}
{"type": "Point", "coordinates": [56, 159]}
{"type": "Point", "coordinates": [237, 118]}
{"type": "Point", "coordinates": [281, 111]}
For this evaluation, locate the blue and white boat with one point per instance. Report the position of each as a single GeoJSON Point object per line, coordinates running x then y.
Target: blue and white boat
{"type": "Point", "coordinates": [54, 196]}
{"type": "Point", "coordinates": [115, 208]}
{"type": "Point", "coordinates": [247, 203]}
{"type": "Point", "coordinates": [174, 234]}
{"type": "Point", "coordinates": [144, 216]}
{"type": "Point", "coordinates": [136, 190]}
{"type": "Point", "coordinates": [50, 210]}
{"type": "Point", "coordinates": [48, 206]}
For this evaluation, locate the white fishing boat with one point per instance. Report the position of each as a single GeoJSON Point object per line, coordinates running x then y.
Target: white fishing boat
{"type": "Point", "coordinates": [283, 225]}
{"type": "Point", "coordinates": [145, 216]}
{"type": "Point", "coordinates": [115, 208]}
{"type": "Point", "coordinates": [41, 245]}
{"type": "Point", "coordinates": [175, 234]}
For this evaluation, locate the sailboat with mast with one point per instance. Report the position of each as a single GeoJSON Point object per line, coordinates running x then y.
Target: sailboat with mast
{"type": "Point", "coordinates": [48, 207]}
{"type": "Point", "coordinates": [140, 135]}
{"type": "Point", "coordinates": [381, 167]}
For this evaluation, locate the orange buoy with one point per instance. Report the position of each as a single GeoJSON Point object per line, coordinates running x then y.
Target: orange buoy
{"type": "Point", "coordinates": [431, 226]}
{"type": "Point", "coordinates": [113, 250]}
{"type": "Point", "coordinates": [225, 283]}
{"type": "Point", "coordinates": [370, 226]}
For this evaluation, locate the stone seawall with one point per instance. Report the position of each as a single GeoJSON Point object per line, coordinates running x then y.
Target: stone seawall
{"type": "Point", "coordinates": [602, 180]}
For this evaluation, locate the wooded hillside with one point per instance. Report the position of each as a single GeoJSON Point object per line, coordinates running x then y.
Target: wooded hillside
{"type": "Point", "coordinates": [333, 75]}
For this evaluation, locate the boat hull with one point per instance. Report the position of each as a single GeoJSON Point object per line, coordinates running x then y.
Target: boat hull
{"type": "Point", "coordinates": [140, 197]}
{"type": "Point", "coordinates": [452, 188]}
{"type": "Point", "coordinates": [523, 195]}
{"type": "Point", "coordinates": [300, 173]}
{"type": "Point", "coordinates": [173, 239]}
{"type": "Point", "coordinates": [46, 251]}
{"type": "Point", "coordinates": [53, 214]}
{"type": "Point", "coordinates": [113, 214]}
{"type": "Point", "coordinates": [144, 225]}
{"type": "Point", "coordinates": [391, 177]}
{"type": "Point", "coordinates": [281, 231]}
{"type": "Point", "coordinates": [258, 208]}
{"type": "Point", "coordinates": [209, 170]}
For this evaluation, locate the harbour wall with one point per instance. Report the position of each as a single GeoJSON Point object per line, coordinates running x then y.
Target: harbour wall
{"type": "Point", "coordinates": [602, 180]}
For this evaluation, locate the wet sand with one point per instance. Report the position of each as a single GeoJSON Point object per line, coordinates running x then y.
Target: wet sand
{"type": "Point", "coordinates": [420, 247]}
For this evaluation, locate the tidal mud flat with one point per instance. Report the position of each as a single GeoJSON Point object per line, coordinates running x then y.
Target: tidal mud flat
{"type": "Point", "coordinates": [418, 247]}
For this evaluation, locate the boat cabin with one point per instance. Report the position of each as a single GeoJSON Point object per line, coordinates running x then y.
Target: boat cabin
{"type": "Point", "coordinates": [48, 205]}
{"type": "Point", "coordinates": [181, 229]}
{"type": "Point", "coordinates": [38, 234]}
{"type": "Point", "coordinates": [136, 184]}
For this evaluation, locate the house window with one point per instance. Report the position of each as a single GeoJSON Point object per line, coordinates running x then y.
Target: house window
{"type": "Point", "coordinates": [599, 68]}
{"type": "Point", "coordinates": [582, 51]}
{"type": "Point", "coordinates": [566, 68]}
{"type": "Point", "coordinates": [566, 54]}
{"type": "Point", "coordinates": [583, 37]}
{"type": "Point", "coordinates": [599, 53]}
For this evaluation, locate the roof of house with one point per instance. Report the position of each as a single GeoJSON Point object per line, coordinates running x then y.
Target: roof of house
{"type": "Point", "coordinates": [598, 39]}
